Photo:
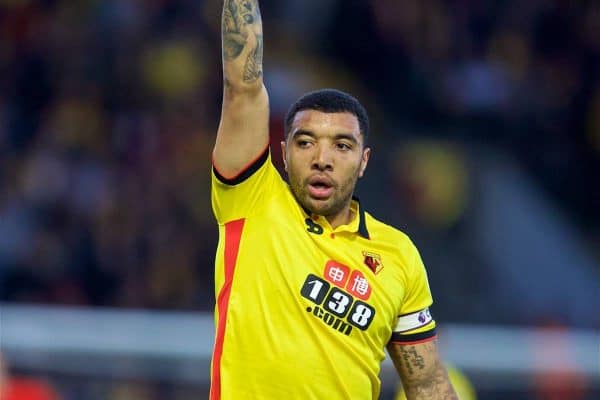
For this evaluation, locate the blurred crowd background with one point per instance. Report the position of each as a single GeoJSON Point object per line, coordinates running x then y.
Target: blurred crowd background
{"type": "Point", "coordinates": [486, 145]}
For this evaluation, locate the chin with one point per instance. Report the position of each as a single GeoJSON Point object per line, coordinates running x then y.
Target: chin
{"type": "Point", "coordinates": [321, 207]}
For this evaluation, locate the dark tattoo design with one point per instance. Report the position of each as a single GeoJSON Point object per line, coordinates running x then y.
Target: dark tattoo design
{"type": "Point", "coordinates": [412, 359]}
{"type": "Point", "coordinates": [423, 375]}
{"type": "Point", "coordinates": [234, 38]}
{"type": "Point", "coordinates": [253, 67]}
{"type": "Point", "coordinates": [437, 387]}
{"type": "Point", "coordinates": [240, 19]}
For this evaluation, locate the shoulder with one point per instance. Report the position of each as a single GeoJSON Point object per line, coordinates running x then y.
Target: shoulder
{"type": "Point", "coordinates": [388, 234]}
{"type": "Point", "coordinates": [395, 244]}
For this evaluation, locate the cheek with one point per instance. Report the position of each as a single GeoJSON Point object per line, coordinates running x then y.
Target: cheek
{"type": "Point", "coordinates": [349, 177]}
{"type": "Point", "coordinates": [355, 169]}
{"type": "Point", "coordinates": [296, 162]}
{"type": "Point", "coordinates": [293, 168]}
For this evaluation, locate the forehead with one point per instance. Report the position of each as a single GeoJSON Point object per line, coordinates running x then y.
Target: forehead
{"type": "Point", "coordinates": [319, 122]}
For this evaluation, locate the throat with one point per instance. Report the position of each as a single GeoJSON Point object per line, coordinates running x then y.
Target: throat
{"type": "Point", "coordinates": [344, 217]}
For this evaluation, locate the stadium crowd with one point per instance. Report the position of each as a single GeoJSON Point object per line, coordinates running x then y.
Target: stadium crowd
{"type": "Point", "coordinates": [108, 111]}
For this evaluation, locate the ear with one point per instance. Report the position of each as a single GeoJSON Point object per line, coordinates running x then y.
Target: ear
{"type": "Point", "coordinates": [284, 155]}
{"type": "Point", "coordinates": [364, 161]}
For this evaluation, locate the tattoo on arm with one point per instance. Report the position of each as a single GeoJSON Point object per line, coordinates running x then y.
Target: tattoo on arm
{"type": "Point", "coordinates": [240, 19]}
{"type": "Point", "coordinates": [424, 377]}
{"type": "Point", "coordinates": [411, 359]}
{"type": "Point", "coordinates": [253, 66]}
{"type": "Point", "coordinates": [436, 387]}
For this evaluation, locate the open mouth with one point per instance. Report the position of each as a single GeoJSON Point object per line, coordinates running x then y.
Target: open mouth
{"type": "Point", "coordinates": [320, 187]}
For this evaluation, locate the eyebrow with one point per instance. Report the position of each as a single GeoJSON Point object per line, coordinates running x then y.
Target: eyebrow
{"type": "Point", "coordinates": [337, 136]}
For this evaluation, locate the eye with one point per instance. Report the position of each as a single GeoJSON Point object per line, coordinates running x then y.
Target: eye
{"type": "Point", "coordinates": [343, 146]}
{"type": "Point", "coordinates": [303, 143]}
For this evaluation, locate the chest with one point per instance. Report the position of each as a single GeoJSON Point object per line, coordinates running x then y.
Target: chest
{"type": "Point", "coordinates": [348, 282]}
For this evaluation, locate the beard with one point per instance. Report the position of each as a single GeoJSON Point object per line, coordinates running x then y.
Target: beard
{"type": "Point", "coordinates": [331, 206]}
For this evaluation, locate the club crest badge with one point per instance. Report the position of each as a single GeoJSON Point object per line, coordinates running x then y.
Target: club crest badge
{"type": "Point", "coordinates": [373, 261]}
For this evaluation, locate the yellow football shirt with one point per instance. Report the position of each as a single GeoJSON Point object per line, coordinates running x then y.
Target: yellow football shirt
{"type": "Point", "coordinates": [304, 311]}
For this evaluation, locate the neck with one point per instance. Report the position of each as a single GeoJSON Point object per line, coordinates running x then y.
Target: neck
{"type": "Point", "coordinates": [341, 218]}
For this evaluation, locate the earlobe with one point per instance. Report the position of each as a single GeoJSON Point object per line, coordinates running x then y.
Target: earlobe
{"type": "Point", "coordinates": [364, 161]}
{"type": "Point", "coordinates": [283, 156]}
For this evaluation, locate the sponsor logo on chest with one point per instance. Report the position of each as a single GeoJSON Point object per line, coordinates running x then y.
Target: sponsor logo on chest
{"type": "Point", "coordinates": [339, 298]}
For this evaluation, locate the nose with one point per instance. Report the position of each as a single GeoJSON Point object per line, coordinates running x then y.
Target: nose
{"type": "Point", "coordinates": [322, 159]}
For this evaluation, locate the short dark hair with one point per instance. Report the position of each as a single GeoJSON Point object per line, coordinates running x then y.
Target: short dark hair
{"type": "Point", "coordinates": [329, 101]}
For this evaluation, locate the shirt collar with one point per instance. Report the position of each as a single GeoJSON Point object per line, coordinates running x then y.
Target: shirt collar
{"type": "Point", "coordinates": [358, 223]}
{"type": "Point", "coordinates": [362, 223]}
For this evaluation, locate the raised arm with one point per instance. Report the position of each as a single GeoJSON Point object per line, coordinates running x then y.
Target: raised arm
{"type": "Point", "coordinates": [423, 375]}
{"type": "Point", "coordinates": [243, 130]}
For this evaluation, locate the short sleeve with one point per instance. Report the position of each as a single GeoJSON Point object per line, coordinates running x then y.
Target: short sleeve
{"type": "Point", "coordinates": [415, 323]}
{"type": "Point", "coordinates": [245, 194]}
{"type": "Point", "coordinates": [418, 295]}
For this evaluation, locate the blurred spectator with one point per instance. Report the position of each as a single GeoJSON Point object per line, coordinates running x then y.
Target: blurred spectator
{"type": "Point", "coordinates": [14, 387]}
{"type": "Point", "coordinates": [432, 181]}
{"type": "Point", "coordinates": [20, 388]}
{"type": "Point", "coordinates": [557, 377]}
